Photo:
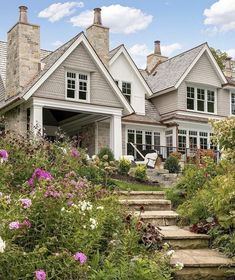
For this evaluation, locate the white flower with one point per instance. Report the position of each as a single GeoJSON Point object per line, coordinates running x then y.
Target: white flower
{"type": "Point", "coordinates": [100, 207]}
{"type": "Point", "coordinates": [62, 209]}
{"type": "Point", "coordinates": [1, 194]}
{"type": "Point", "coordinates": [170, 253]}
{"type": "Point", "coordinates": [166, 245]}
{"type": "Point", "coordinates": [93, 223]}
{"type": "Point", "coordinates": [2, 245]}
{"type": "Point", "coordinates": [84, 205]}
{"type": "Point", "coordinates": [179, 265]}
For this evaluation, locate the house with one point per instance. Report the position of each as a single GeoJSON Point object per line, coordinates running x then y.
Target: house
{"type": "Point", "coordinates": [89, 91]}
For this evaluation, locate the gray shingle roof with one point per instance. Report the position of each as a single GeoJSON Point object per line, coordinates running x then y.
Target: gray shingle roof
{"type": "Point", "coordinates": [168, 73]}
{"type": "Point", "coordinates": [114, 51]}
{"type": "Point", "coordinates": [151, 115]}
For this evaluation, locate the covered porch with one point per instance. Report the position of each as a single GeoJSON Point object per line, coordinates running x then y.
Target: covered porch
{"type": "Point", "coordinates": [95, 126]}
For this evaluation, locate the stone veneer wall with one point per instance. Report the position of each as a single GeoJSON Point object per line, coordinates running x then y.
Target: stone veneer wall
{"type": "Point", "coordinates": [16, 120]}
{"type": "Point", "coordinates": [88, 138]}
{"type": "Point", "coordinates": [103, 135]}
{"type": "Point", "coordinates": [23, 57]}
{"type": "Point", "coordinates": [98, 36]}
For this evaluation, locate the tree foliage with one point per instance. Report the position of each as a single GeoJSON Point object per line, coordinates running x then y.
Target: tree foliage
{"type": "Point", "coordinates": [220, 57]}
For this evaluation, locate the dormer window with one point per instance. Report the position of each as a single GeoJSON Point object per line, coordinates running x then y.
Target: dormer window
{"type": "Point", "coordinates": [126, 90]}
{"type": "Point", "coordinates": [77, 86]}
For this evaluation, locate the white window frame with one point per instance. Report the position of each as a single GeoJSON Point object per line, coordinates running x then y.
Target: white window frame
{"type": "Point", "coordinates": [125, 93]}
{"type": "Point", "coordinates": [206, 89]}
{"type": "Point", "coordinates": [76, 98]}
{"type": "Point", "coordinates": [230, 102]}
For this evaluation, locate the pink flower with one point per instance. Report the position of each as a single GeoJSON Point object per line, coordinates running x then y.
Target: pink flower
{"type": "Point", "coordinates": [42, 174]}
{"type": "Point", "coordinates": [82, 258]}
{"type": "Point", "coordinates": [14, 225]}
{"type": "Point", "coordinates": [75, 153]}
{"type": "Point", "coordinates": [30, 182]}
{"type": "Point", "coordinates": [26, 223]}
{"type": "Point", "coordinates": [26, 202]}
{"type": "Point", "coordinates": [3, 154]}
{"type": "Point", "coordinates": [40, 274]}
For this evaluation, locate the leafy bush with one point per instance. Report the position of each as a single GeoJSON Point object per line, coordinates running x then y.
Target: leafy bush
{"type": "Point", "coordinates": [124, 166]}
{"type": "Point", "coordinates": [172, 164]}
{"type": "Point", "coordinates": [177, 155]}
{"type": "Point", "coordinates": [140, 172]}
{"type": "Point", "coordinates": [56, 220]}
{"type": "Point", "coordinates": [106, 154]}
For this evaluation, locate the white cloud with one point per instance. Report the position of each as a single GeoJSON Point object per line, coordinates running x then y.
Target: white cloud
{"type": "Point", "coordinates": [231, 52]}
{"type": "Point", "coordinates": [221, 16]}
{"type": "Point", "coordinates": [140, 51]}
{"type": "Point", "coordinates": [58, 11]}
{"type": "Point", "coordinates": [57, 43]}
{"type": "Point", "coordinates": [119, 19]}
{"type": "Point", "coordinates": [169, 50]}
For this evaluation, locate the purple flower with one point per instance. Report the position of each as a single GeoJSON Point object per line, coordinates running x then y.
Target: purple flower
{"type": "Point", "coordinates": [75, 153]}
{"type": "Point", "coordinates": [42, 174]}
{"type": "Point", "coordinates": [14, 225]}
{"type": "Point", "coordinates": [26, 202]}
{"type": "Point", "coordinates": [3, 154]}
{"type": "Point", "coordinates": [82, 258]}
{"type": "Point", "coordinates": [30, 182]}
{"type": "Point", "coordinates": [40, 274]}
{"type": "Point", "coordinates": [26, 223]}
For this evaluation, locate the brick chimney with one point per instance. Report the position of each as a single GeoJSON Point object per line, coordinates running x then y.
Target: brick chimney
{"type": "Point", "coordinates": [156, 57]}
{"type": "Point", "coordinates": [23, 54]}
{"type": "Point", "coordinates": [98, 36]}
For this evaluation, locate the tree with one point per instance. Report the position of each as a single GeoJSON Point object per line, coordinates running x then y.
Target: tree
{"type": "Point", "coordinates": [220, 57]}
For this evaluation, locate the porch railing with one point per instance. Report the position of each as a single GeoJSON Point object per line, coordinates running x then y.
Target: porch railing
{"type": "Point", "coordinates": [187, 155]}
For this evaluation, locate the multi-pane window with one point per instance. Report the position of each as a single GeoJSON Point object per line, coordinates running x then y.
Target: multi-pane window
{"type": "Point", "coordinates": [182, 140]}
{"type": "Point", "coordinates": [203, 138]}
{"type": "Point", "coordinates": [210, 101]}
{"type": "Point", "coordinates": [192, 140]}
{"type": "Point", "coordinates": [169, 141]}
{"type": "Point", "coordinates": [71, 84]}
{"type": "Point", "coordinates": [233, 103]}
{"type": "Point", "coordinates": [201, 100]}
{"type": "Point", "coordinates": [190, 98]}
{"type": "Point", "coordinates": [148, 140]}
{"type": "Point", "coordinates": [126, 90]}
{"type": "Point", "coordinates": [77, 86]}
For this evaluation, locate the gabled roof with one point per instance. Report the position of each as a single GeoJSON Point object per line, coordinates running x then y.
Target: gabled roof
{"type": "Point", "coordinates": [115, 53]}
{"type": "Point", "coordinates": [53, 61]}
{"type": "Point", "coordinates": [169, 74]}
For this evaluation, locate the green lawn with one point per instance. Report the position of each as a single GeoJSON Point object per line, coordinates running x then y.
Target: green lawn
{"type": "Point", "coordinates": [125, 186]}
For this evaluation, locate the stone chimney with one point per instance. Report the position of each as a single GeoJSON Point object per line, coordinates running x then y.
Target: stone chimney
{"type": "Point", "coordinates": [23, 54]}
{"type": "Point", "coordinates": [98, 36]}
{"type": "Point", "coordinates": [155, 58]}
{"type": "Point", "coordinates": [228, 67]}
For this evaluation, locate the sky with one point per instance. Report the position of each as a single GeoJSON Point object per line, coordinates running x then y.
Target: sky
{"type": "Point", "coordinates": [178, 24]}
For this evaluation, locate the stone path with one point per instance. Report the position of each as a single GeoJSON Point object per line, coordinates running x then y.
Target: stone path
{"type": "Point", "coordinates": [191, 249]}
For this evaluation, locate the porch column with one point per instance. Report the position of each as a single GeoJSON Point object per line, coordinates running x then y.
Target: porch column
{"type": "Point", "coordinates": [36, 119]}
{"type": "Point", "coordinates": [116, 135]}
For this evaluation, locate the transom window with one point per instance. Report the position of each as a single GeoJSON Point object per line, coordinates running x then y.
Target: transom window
{"type": "Point", "coordinates": [202, 101]}
{"type": "Point", "coordinates": [77, 86]}
{"type": "Point", "coordinates": [126, 90]}
{"type": "Point", "coordinates": [233, 103]}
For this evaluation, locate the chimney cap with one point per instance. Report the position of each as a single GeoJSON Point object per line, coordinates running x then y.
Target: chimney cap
{"type": "Point", "coordinates": [157, 42]}
{"type": "Point", "coordinates": [97, 16]}
{"type": "Point", "coordinates": [97, 9]}
{"type": "Point", "coordinates": [23, 14]}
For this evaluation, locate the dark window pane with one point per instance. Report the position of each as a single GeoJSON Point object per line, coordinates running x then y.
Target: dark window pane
{"type": "Point", "coordinates": [200, 105]}
{"type": "Point", "coordinates": [82, 95]}
{"type": "Point", "coordinates": [190, 104]}
{"type": "Point", "coordinates": [70, 93]}
{"type": "Point", "coordinates": [210, 107]}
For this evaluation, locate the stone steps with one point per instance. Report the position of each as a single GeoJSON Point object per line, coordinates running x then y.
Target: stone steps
{"type": "Point", "coordinates": [162, 176]}
{"type": "Point", "coordinates": [141, 194]}
{"type": "Point", "coordinates": [147, 204]}
{"type": "Point", "coordinates": [191, 249]}
{"type": "Point", "coordinates": [158, 218]}
{"type": "Point", "coordinates": [203, 264]}
{"type": "Point", "coordinates": [179, 238]}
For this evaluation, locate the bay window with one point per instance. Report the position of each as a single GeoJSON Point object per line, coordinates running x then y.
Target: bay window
{"type": "Point", "coordinates": [182, 140]}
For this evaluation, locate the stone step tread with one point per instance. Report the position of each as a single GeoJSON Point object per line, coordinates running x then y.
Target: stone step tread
{"type": "Point", "coordinates": [175, 232]}
{"type": "Point", "coordinates": [145, 201]}
{"type": "Point", "coordinates": [142, 193]}
{"type": "Point", "coordinates": [157, 214]}
{"type": "Point", "coordinates": [201, 258]}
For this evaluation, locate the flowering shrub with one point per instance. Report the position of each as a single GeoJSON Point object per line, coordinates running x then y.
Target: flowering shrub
{"type": "Point", "coordinates": [58, 222]}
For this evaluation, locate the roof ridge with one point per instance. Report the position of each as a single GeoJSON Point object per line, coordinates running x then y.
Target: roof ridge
{"type": "Point", "coordinates": [118, 47]}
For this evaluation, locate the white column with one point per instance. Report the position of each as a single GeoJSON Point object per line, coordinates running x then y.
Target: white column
{"type": "Point", "coordinates": [116, 136]}
{"type": "Point", "coordinates": [36, 119]}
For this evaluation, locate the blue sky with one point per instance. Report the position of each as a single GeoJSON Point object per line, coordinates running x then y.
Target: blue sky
{"type": "Point", "coordinates": [179, 24]}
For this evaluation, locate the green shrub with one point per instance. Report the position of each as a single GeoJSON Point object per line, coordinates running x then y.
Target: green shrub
{"type": "Point", "coordinates": [124, 166]}
{"type": "Point", "coordinates": [140, 172]}
{"type": "Point", "coordinates": [172, 164]}
{"type": "Point", "coordinates": [106, 154]}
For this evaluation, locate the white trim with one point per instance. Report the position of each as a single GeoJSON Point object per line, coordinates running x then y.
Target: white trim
{"type": "Point", "coordinates": [199, 114]}
{"type": "Point", "coordinates": [230, 102]}
{"type": "Point", "coordinates": [76, 106]}
{"type": "Point", "coordinates": [79, 40]}
{"type": "Point", "coordinates": [123, 51]}
{"type": "Point", "coordinates": [163, 92]}
{"type": "Point", "coordinates": [214, 63]}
